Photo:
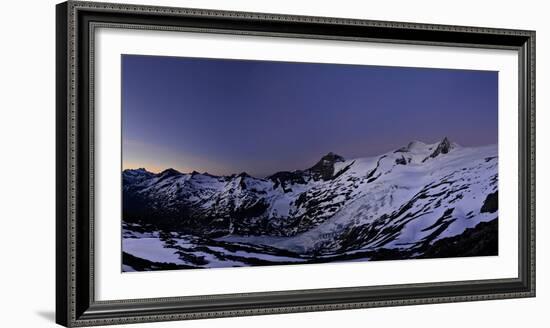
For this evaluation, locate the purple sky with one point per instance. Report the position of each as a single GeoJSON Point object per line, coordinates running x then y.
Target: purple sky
{"type": "Point", "coordinates": [229, 116]}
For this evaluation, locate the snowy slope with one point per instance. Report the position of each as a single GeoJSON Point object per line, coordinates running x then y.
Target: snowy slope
{"type": "Point", "coordinates": [406, 199]}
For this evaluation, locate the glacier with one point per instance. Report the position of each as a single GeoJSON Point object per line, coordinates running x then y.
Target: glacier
{"type": "Point", "coordinates": [420, 200]}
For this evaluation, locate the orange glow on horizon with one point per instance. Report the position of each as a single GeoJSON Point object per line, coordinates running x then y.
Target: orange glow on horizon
{"type": "Point", "coordinates": [155, 168]}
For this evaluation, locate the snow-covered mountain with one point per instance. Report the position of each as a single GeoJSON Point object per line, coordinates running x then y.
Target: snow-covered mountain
{"type": "Point", "coordinates": [411, 202]}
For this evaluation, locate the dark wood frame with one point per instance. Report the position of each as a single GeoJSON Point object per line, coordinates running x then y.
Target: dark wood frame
{"type": "Point", "coordinates": [75, 302]}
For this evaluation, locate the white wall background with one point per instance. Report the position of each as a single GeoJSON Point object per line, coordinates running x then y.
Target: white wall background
{"type": "Point", "coordinates": [27, 148]}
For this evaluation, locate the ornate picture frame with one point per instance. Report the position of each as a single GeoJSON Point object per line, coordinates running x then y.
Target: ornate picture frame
{"type": "Point", "coordinates": [76, 302]}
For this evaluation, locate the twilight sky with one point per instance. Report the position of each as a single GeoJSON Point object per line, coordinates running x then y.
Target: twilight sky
{"type": "Point", "coordinates": [229, 116]}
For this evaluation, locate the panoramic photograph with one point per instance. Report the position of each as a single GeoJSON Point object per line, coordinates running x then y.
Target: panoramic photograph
{"type": "Point", "coordinates": [237, 163]}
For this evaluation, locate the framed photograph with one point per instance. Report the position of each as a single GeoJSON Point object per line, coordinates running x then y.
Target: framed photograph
{"type": "Point", "coordinates": [215, 163]}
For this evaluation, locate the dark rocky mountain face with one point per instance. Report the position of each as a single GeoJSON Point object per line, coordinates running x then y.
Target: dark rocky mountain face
{"type": "Point", "coordinates": [402, 202]}
{"type": "Point", "coordinates": [287, 179]}
{"type": "Point", "coordinates": [443, 147]}
{"type": "Point", "coordinates": [324, 169]}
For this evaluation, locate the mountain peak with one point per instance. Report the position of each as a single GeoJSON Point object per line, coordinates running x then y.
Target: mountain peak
{"type": "Point", "coordinates": [444, 147]}
{"type": "Point", "coordinates": [415, 144]}
{"type": "Point", "coordinates": [132, 176]}
{"type": "Point", "coordinates": [169, 173]}
{"type": "Point", "coordinates": [324, 169]}
{"type": "Point", "coordinates": [243, 175]}
{"type": "Point", "coordinates": [445, 142]}
{"type": "Point", "coordinates": [141, 170]}
{"type": "Point", "coordinates": [332, 157]}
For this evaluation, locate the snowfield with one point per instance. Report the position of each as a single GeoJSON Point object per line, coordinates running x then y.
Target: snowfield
{"type": "Point", "coordinates": [410, 202]}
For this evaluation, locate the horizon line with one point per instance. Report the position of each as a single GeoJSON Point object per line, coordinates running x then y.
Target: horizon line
{"type": "Point", "coordinates": [205, 172]}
